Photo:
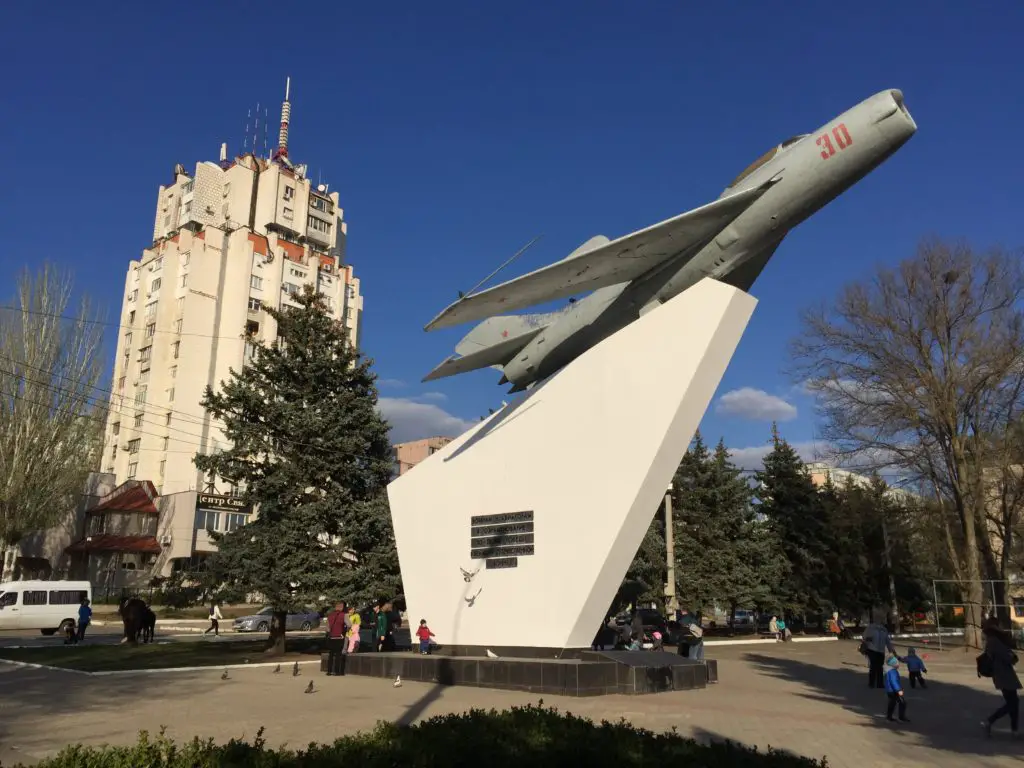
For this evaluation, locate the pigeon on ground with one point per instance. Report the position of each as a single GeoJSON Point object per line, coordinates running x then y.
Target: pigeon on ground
{"type": "Point", "coordinates": [225, 675]}
{"type": "Point", "coordinates": [309, 688]}
{"type": "Point", "coordinates": [398, 682]}
{"type": "Point", "coordinates": [277, 669]}
{"type": "Point", "coordinates": [295, 669]}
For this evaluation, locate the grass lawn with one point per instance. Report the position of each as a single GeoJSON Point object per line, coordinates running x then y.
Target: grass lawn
{"type": "Point", "coordinates": [200, 653]}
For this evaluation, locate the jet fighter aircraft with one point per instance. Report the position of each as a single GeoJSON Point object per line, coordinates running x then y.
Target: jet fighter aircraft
{"type": "Point", "coordinates": [730, 239]}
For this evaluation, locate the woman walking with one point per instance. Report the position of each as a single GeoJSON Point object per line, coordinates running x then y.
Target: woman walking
{"type": "Point", "coordinates": [215, 618]}
{"type": "Point", "coordinates": [875, 643]}
{"type": "Point", "coordinates": [999, 649]}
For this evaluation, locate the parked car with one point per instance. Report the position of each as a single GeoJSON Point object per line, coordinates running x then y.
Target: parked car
{"type": "Point", "coordinates": [742, 619]}
{"type": "Point", "coordinates": [260, 621]}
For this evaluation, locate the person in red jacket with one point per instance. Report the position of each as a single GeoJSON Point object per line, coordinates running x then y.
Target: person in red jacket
{"type": "Point", "coordinates": [424, 634]}
{"type": "Point", "coordinates": [335, 638]}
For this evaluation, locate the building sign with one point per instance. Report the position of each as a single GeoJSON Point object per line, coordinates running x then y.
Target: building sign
{"type": "Point", "coordinates": [222, 503]}
{"type": "Point", "coordinates": [500, 540]}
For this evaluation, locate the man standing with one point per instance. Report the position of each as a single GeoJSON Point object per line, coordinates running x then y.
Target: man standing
{"type": "Point", "coordinates": [691, 636]}
{"type": "Point", "coordinates": [382, 626]}
{"type": "Point", "coordinates": [336, 640]}
{"type": "Point", "coordinates": [84, 617]}
{"type": "Point", "coordinates": [874, 644]}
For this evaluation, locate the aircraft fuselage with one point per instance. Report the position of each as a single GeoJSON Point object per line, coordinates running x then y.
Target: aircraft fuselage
{"type": "Point", "coordinates": [811, 171]}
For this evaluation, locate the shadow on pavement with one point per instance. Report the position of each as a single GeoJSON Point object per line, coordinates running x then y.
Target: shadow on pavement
{"type": "Point", "coordinates": [946, 716]}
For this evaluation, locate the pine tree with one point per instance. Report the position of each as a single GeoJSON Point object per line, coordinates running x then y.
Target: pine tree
{"type": "Point", "coordinates": [794, 511]}
{"type": "Point", "coordinates": [310, 451]}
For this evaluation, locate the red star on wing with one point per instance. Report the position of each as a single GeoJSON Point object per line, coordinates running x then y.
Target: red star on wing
{"type": "Point", "coordinates": [504, 334]}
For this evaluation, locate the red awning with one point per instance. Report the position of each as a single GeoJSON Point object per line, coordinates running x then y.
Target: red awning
{"type": "Point", "coordinates": [146, 545]}
{"type": "Point", "coordinates": [132, 496]}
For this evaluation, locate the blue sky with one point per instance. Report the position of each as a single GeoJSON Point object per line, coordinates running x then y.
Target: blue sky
{"type": "Point", "coordinates": [456, 132]}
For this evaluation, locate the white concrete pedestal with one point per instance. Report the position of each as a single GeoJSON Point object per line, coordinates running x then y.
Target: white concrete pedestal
{"type": "Point", "coordinates": [546, 502]}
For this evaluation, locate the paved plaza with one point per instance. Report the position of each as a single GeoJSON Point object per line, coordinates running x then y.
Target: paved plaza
{"type": "Point", "coordinates": [811, 698]}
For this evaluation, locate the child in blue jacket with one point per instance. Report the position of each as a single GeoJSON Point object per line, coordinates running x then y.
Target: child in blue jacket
{"type": "Point", "coordinates": [894, 690]}
{"type": "Point", "coordinates": [915, 667]}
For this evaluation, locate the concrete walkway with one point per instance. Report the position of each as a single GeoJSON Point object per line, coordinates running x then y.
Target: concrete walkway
{"type": "Point", "coordinates": [811, 698]}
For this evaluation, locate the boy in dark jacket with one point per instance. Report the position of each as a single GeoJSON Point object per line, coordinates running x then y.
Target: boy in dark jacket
{"type": "Point", "coordinates": [915, 667]}
{"type": "Point", "coordinates": [894, 690]}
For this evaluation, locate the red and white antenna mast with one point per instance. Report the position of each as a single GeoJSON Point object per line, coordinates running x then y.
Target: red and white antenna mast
{"type": "Point", "coordinates": [286, 116]}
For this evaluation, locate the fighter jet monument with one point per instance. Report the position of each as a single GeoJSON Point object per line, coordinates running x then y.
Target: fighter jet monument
{"type": "Point", "coordinates": [538, 510]}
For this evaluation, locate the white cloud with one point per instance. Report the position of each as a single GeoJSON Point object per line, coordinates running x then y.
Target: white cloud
{"type": "Point", "coordinates": [437, 397]}
{"type": "Point", "coordinates": [752, 457]}
{"type": "Point", "coordinates": [413, 420]}
{"type": "Point", "coordinates": [755, 404]}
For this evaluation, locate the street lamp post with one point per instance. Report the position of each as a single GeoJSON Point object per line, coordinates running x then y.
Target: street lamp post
{"type": "Point", "coordinates": [670, 556]}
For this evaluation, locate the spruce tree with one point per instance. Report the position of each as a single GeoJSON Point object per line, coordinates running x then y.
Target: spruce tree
{"type": "Point", "coordinates": [308, 448]}
{"type": "Point", "coordinates": [794, 511]}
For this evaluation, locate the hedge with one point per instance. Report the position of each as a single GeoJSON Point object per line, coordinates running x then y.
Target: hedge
{"type": "Point", "coordinates": [530, 737]}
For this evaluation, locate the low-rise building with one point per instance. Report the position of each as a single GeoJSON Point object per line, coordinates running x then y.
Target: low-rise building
{"type": "Point", "coordinates": [408, 455]}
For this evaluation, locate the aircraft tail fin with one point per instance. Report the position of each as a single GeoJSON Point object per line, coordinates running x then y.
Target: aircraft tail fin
{"type": "Point", "coordinates": [492, 344]}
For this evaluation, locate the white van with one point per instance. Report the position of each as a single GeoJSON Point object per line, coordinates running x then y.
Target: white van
{"type": "Point", "coordinates": [44, 605]}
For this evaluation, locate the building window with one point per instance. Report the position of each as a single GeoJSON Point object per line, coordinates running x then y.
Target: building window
{"type": "Point", "coordinates": [169, 417]}
{"type": "Point", "coordinates": [138, 419]}
{"type": "Point", "coordinates": [133, 469]}
{"type": "Point", "coordinates": [256, 282]}
{"type": "Point", "coordinates": [290, 288]}
{"type": "Point", "coordinates": [188, 186]}
{"type": "Point", "coordinates": [131, 317]}
{"type": "Point", "coordinates": [170, 395]}
{"type": "Point", "coordinates": [320, 204]}
{"type": "Point", "coordinates": [287, 213]}
{"type": "Point", "coordinates": [144, 377]}
{"type": "Point", "coordinates": [297, 272]}
{"type": "Point", "coordinates": [145, 353]}
{"type": "Point", "coordinates": [188, 207]}
{"type": "Point", "coordinates": [163, 466]}
{"type": "Point", "coordinates": [234, 521]}
{"type": "Point", "coordinates": [177, 325]}
{"type": "Point", "coordinates": [167, 443]}
{"type": "Point", "coordinates": [133, 295]}
{"type": "Point", "coordinates": [207, 520]}
{"type": "Point", "coordinates": [289, 192]}
{"type": "Point", "coordinates": [156, 285]}
{"type": "Point", "coordinates": [174, 371]}
{"type": "Point", "coordinates": [113, 452]}
{"type": "Point", "coordinates": [116, 429]}
{"type": "Point", "coordinates": [186, 257]}
{"type": "Point", "coordinates": [157, 264]}
{"type": "Point", "coordinates": [140, 394]}
{"type": "Point", "coordinates": [175, 347]}
{"type": "Point", "coordinates": [150, 330]}
{"type": "Point", "coordinates": [151, 310]}
{"type": "Point", "coordinates": [254, 304]}
{"type": "Point", "coordinates": [128, 339]}
{"type": "Point", "coordinates": [318, 225]}
{"type": "Point", "coordinates": [133, 445]}
{"type": "Point", "coordinates": [120, 384]}
{"type": "Point", "coordinates": [181, 304]}
{"type": "Point", "coordinates": [183, 280]}
{"type": "Point", "coordinates": [248, 352]}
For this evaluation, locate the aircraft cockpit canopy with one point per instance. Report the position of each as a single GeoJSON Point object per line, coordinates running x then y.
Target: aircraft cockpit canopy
{"type": "Point", "coordinates": [765, 158]}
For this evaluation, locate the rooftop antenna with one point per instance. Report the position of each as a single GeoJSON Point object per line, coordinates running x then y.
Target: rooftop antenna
{"type": "Point", "coordinates": [245, 141]}
{"type": "Point", "coordinates": [256, 131]}
{"type": "Point", "coordinates": [224, 156]}
{"type": "Point", "coordinates": [286, 116]}
{"type": "Point", "coordinates": [266, 122]}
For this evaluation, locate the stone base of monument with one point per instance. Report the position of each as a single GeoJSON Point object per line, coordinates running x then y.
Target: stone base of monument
{"type": "Point", "coordinates": [575, 673]}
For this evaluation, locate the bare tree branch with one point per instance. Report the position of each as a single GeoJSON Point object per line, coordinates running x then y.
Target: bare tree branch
{"type": "Point", "coordinates": [50, 428]}
{"type": "Point", "coordinates": [922, 368]}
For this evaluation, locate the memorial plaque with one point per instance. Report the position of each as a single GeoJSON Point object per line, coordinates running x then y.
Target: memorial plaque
{"type": "Point", "coordinates": [500, 540]}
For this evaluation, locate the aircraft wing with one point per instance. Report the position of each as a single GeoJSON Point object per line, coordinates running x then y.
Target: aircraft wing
{"type": "Point", "coordinates": [495, 355]}
{"type": "Point", "coordinates": [619, 261]}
